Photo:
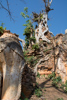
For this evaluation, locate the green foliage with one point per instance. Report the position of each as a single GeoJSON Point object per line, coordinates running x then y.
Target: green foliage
{"type": "Point", "coordinates": [32, 39]}
{"type": "Point", "coordinates": [28, 31]}
{"type": "Point", "coordinates": [24, 14]}
{"type": "Point", "coordinates": [35, 47]}
{"type": "Point", "coordinates": [60, 99]}
{"type": "Point", "coordinates": [38, 92]}
{"type": "Point", "coordinates": [56, 81]}
{"type": "Point", "coordinates": [1, 29]}
{"type": "Point", "coordinates": [51, 76]}
{"type": "Point", "coordinates": [38, 18]}
{"type": "Point", "coordinates": [28, 24]}
{"type": "Point", "coordinates": [25, 54]}
{"type": "Point", "coordinates": [38, 75]}
{"type": "Point", "coordinates": [26, 9]}
{"type": "Point", "coordinates": [2, 24]}
{"type": "Point", "coordinates": [43, 75]}
{"type": "Point", "coordinates": [30, 60]}
{"type": "Point", "coordinates": [64, 87]}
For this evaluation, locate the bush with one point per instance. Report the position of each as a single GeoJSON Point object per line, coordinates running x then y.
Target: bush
{"type": "Point", "coordinates": [32, 39]}
{"type": "Point", "coordinates": [38, 75]}
{"type": "Point", "coordinates": [51, 76]}
{"type": "Point", "coordinates": [38, 92]}
{"type": "Point", "coordinates": [64, 87]}
{"type": "Point", "coordinates": [35, 47]}
{"type": "Point", "coordinates": [56, 81]}
{"type": "Point", "coordinates": [1, 30]}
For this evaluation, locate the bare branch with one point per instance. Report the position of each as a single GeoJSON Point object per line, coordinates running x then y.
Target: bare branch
{"type": "Point", "coordinates": [47, 5]}
{"type": "Point", "coordinates": [7, 9]}
{"type": "Point", "coordinates": [50, 3]}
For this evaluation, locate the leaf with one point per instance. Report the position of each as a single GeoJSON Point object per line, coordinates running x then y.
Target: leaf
{"type": "Point", "coordinates": [26, 9]}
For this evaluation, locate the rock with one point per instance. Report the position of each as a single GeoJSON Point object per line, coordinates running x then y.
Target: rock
{"type": "Point", "coordinates": [41, 66]}
{"type": "Point", "coordinates": [43, 72]}
{"type": "Point", "coordinates": [28, 81]}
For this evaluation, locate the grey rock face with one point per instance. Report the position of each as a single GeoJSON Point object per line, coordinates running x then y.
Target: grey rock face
{"type": "Point", "coordinates": [12, 63]}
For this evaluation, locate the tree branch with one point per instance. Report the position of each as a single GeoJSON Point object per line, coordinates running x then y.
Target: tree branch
{"type": "Point", "coordinates": [7, 9]}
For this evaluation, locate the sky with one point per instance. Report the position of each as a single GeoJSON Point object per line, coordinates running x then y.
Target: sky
{"type": "Point", "coordinates": [58, 17]}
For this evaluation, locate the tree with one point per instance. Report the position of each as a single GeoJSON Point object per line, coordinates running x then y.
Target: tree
{"type": "Point", "coordinates": [38, 17]}
{"type": "Point", "coordinates": [29, 30]}
{"type": "Point", "coordinates": [41, 19]}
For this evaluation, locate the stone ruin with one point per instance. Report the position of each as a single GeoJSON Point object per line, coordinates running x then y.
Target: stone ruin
{"type": "Point", "coordinates": [55, 56]}
{"type": "Point", "coordinates": [15, 77]}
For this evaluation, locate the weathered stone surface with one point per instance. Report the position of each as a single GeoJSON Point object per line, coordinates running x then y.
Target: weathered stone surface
{"type": "Point", "coordinates": [28, 81]}
{"type": "Point", "coordinates": [43, 72]}
{"type": "Point", "coordinates": [11, 66]}
{"type": "Point", "coordinates": [57, 52]}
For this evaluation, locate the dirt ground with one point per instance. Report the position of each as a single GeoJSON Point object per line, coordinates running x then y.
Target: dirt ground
{"type": "Point", "coordinates": [48, 91]}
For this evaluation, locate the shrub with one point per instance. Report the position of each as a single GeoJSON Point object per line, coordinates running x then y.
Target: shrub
{"type": "Point", "coordinates": [51, 76]}
{"type": "Point", "coordinates": [31, 60]}
{"type": "Point", "coordinates": [1, 30]}
{"type": "Point", "coordinates": [35, 47]}
{"type": "Point", "coordinates": [56, 81]}
{"type": "Point", "coordinates": [38, 92]}
{"type": "Point", "coordinates": [38, 75]}
{"type": "Point", "coordinates": [32, 39]}
{"type": "Point", "coordinates": [64, 87]}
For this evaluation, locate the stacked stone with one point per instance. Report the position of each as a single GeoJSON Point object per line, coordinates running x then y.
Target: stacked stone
{"type": "Point", "coordinates": [28, 82]}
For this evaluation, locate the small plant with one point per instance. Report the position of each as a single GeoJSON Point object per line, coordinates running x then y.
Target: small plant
{"type": "Point", "coordinates": [51, 76]}
{"type": "Point", "coordinates": [64, 87]}
{"type": "Point", "coordinates": [25, 52]}
{"type": "Point", "coordinates": [38, 92]}
{"type": "Point", "coordinates": [32, 39]}
{"type": "Point", "coordinates": [1, 30]}
{"type": "Point", "coordinates": [38, 75]}
{"type": "Point", "coordinates": [24, 14]}
{"type": "Point", "coordinates": [60, 99]}
{"type": "Point", "coordinates": [35, 47]}
{"type": "Point", "coordinates": [56, 81]}
{"type": "Point", "coordinates": [30, 60]}
{"type": "Point", "coordinates": [43, 75]}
